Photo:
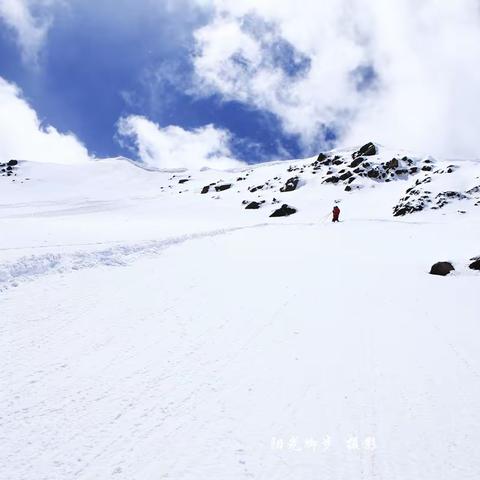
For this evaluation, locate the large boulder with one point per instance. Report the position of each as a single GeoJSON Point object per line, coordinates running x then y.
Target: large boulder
{"type": "Point", "coordinates": [205, 189]}
{"type": "Point", "coordinates": [284, 211]}
{"type": "Point", "coordinates": [253, 206]}
{"type": "Point", "coordinates": [366, 151]}
{"type": "Point", "coordinates": [441, 268]}
{"type": "Point", "coordinates": [290, 185]}
{"type": "Point", "coordinates": [12, 163]}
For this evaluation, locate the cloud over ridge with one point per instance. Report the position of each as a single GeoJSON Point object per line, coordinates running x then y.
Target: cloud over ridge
{"type": "Point", "coordinates": [417, 87]}
{"type": "Point", "coordinates": [173, 146]}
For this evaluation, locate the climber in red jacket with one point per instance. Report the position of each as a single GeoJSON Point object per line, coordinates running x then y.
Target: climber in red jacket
{"type": "Point", "coordinates": [336, 214]}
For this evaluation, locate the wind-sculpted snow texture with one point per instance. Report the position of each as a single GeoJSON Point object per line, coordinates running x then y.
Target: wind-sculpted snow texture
{"type": "Point", "coordinates": [164, 325]}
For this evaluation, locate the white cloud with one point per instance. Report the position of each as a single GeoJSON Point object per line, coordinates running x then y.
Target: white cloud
{"type": "Point", "coordinates": [174, 147]}
{"type": "Point", "coordinates": [426, 94]}
{"type": "Point", "coordinates": [30, 29]}
{"type": "Point", "coordinates": [23, 137]}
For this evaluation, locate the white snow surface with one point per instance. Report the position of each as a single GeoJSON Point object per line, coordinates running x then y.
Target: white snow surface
{"type": "Point", "coordinates": [149, 331]}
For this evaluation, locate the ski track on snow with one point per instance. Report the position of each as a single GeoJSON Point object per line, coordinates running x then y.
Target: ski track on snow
{"type": "Point", "coordinates": [30, 267]}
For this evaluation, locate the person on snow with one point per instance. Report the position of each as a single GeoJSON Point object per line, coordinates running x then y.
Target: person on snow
{"type": "Point", "coordinates": [336, 214]}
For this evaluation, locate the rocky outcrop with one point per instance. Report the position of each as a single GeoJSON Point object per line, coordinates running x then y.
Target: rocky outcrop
{"type": "Point", "coordinates": [444, 198]}
{"type": "Point", "coordinates": [367, 150]}
{"type": "Point", "coordinates": [8, 169]}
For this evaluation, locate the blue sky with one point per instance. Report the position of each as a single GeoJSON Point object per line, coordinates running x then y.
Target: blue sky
{"type": "Point", "coordinates": [97, 66]}
{"type": "Point", "coordinates": [249, 81]}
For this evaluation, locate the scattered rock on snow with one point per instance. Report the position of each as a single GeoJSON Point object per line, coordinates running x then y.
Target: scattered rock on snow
{"type": "Point", "coordinates": [290, 185]}
{"type": "Point", "coordinates": [253, 206]}
{"type": "Point", "coordinates": [284, 211]}
{"type": "Point", "coordinates": [357, 162]}
{"type": "Point", "coordinates": [331, 179]}
{"type": "Point", "coordinates": [475, 265]}
{"type": "Point", "coordinates": [441, 268]}
{"type": "Point", "coordinates": [221, 188]}
{"type": "Point", "coordinates": [366, 151]}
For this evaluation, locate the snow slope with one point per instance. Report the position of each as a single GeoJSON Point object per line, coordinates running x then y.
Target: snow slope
{"type": "Point", "coordinates": [151, 331]}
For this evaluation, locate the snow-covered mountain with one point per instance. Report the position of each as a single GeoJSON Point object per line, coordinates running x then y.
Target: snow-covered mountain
{"type": "Point", "coordinates": [216, 324]}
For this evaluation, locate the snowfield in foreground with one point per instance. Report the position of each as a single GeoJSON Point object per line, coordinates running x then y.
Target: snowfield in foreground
{"type": "Point", "coordinates": [150, 331]}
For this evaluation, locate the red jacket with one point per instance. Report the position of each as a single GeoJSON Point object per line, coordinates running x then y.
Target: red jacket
{"type": "Point", "coordinates": [336, 211]}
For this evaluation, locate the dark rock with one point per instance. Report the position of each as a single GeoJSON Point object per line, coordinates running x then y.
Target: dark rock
{"type": "Point", "coordinates": [392, 164]}
{"type": "Point", "coordinates": [346, 176]}
{"type": "Point", "coordinates": [373, 173]}
{"type": "Point", "coordinates": [357, 162]}
{"type": "Point", "coordinates": [290, 185]}
{"type": "Point", "coordinates": [441, 268]}
{"type": "Point", "coordinates": [12, 163]}
{"type": "Point", "coordinates": [444, 198]}
{"type": "Point", "coordinates": [322, 159]}
{"type": "Point", "coordinates": [366, 151]}
{"type": "Point", "coordinates": [404, 209]}
{"type": "Point", "coordinates": [183, 180]}
{"type": "Point", "coordinates": [283, 211]}
{"type": "Point", "coordinates": [205, 189]}
{"type": "Point", "coordinates": [221, 188]}
{"type": "Point", "coordinates": [332, 179]}
{"type": "Point", "coordinates": [475, 265]}
{"type": "Point", "coordinates": [348, 188]}
{"type": "Point", "coordinates": [253, 206]}
{"type": "Point", "coordinates": [427, 168]}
